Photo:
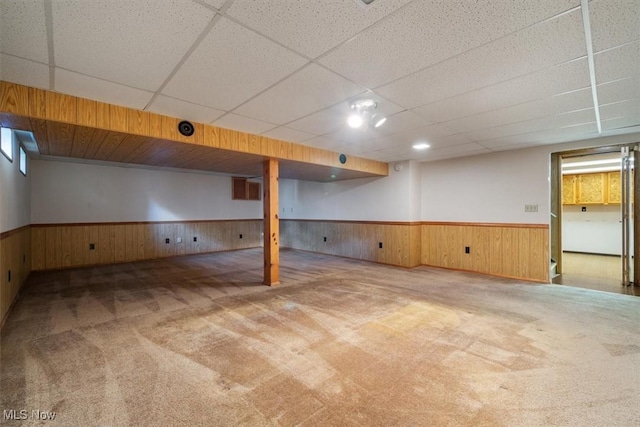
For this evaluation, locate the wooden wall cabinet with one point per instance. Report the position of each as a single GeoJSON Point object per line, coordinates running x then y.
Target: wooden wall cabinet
{"type": "Point", "coordinates": [569, 189]}
{"type": "Point", "coordinates": [591, 188]}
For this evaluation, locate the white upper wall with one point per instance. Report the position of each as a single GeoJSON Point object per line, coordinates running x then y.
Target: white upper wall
{"type": "Point", "coordinates": [65, 192]}
{"type": "Point", "coordinates": [15, 198]}
{"type": "Point", "coordinates": [366, 199]}
{"type": "Point", "coordinates": [488, 188]}
{"type": "Point", "coordinates": [495, 187]}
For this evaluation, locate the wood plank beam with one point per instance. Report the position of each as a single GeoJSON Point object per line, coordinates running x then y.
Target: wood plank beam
{"type": "Point", "coordinates": [271, 223]}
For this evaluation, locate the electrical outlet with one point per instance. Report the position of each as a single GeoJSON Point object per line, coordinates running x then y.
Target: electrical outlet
{"type": "Point", "coordinates": [195, 239]}
{"type": "Point", "coordinates": [325, 238]}
{"type": "Point", "coordinates": [531, 208]}
{"type": "Point", "coordinates": [92, 246]}
{"type": "Point", "coordinates": [167, 241]}
{"type": "Point", "coordinates": [467, 250]}
{"type": "Point", "coordinates": [241, 236]}
{"type": "Point", "coordinates": [379, 245]}
{"type": "Point", "coordinates": [178, 239]}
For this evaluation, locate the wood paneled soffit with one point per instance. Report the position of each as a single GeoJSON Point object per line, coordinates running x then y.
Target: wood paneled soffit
{"type": "Point", "coordinates": [68, 126]}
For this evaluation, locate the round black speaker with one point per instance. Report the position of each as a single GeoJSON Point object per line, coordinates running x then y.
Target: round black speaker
{"type": "Point", "coordinates": [186, 128]}
{"type": "Point", "coordinates": [343, 159]}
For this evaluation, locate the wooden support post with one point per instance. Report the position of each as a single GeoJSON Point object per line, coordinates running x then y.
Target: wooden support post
{"type": "Point", "coordinates": [271, 223]}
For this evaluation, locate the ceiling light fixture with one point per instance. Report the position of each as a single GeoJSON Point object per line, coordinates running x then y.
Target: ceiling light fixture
{"type": "Point", "coordinates": [421, 146]}
{"type": "Point", "coordinates": [363, 112]}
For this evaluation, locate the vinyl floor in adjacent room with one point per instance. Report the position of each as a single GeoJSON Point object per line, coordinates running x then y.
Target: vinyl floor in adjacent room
{"type": "Point", "coordinates": [592, 271]}
{"type": "Point", "coordinates": [197, 340]}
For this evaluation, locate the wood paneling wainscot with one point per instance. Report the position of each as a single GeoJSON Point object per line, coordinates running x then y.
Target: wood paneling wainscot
{"type": "Point", "coordinates": [508, 250]}
{"type": "Point", "coordinates": [355, 239]}
{"type": "Point", "coordinates": [58, 246]}
{"type": "Point", "coordinates": [15, 261]}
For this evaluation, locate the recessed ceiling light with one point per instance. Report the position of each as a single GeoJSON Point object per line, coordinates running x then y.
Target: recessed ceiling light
{"type": "Point", "coordinates": [355, 120]}
{"type": "Point", "coordinates": [421, 146]}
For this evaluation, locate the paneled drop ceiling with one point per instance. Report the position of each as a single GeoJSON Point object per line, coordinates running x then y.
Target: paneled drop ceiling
{"type": "Point", "coordinates": [466, 77]}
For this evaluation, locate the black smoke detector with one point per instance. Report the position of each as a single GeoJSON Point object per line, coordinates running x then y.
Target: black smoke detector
{"type": "Point", "coordinates": [186, 128]}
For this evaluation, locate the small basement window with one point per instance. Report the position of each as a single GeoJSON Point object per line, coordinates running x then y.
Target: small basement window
{"type": "Point", "coordinates": [242, 189]}
{"type": "Point", "coordinates": [23, 161]}
{"type": "Point", "coordinates": [6, 143]}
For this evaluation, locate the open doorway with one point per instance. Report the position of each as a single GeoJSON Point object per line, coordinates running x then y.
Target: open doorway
{"type": "Point", "coordinates": [594, 220]}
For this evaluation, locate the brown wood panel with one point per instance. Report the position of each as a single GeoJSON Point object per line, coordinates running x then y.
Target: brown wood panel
{"type": "Point", "coordinates": [93, 145]}
{"type": "Point", "coordinates": [53, 248]}
{"type": "Point", "coordinates": [103, 115]}
{"type": "Point", "coordinates": [118, 118]}
{"type": "Point", "coordinates": [109, 145]}
{"type": "Point", "coordinates": [18, 103]}
{"type": "Point", "coordinates": [37, 103]}
{"type": "Point", "coordinates": [81, 139]}
{"type": "Point", "coordinates": [138, 122]}
{"type": "Point", "coordinates": [271, 223]}
{"type": "Point", "coordinates": [15, 99]}
{"type": "Point", "coordinates": [86, 112]}
{"type": "Point", "coordinates": [155, 125]}
{"type": "Point", "coordinates": [66, 247]}
{"type": "Point", "coordinates": [61, 107]}
{"type": "Point", "coordinates": [58, 135]}
{"type": "Point", "coordinates": [38, 248]}
{"type": "Point", "coordinates": [15, 257]}
{"type": "Point", "coordinates": [39, 128]}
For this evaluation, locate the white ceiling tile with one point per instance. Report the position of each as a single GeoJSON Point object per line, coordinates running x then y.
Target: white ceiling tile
{"type": "Point", "coordinates": [539, 124]}
{"type": "Point", "coordinates": [299, 24]}
{"type": "Point", "coordinates": [287, 134]}
{"type": "Point", "coordinates": [614, 22]}
{"type": "Point", "coordinates": [184, 110]}
{"type": "Point", "coordinates": [244, 124]}
{"type": "Point", "coordinates": [578, 100]}
{"type": "Point", "coordinates": [322, 122]}
{"type": "Point", "coordinates": [439, 152]}
{"type": "Point", "coordinates": [402, 121]}
{"type": "Point", "coordinates": [626, 88]}
{"type": "Point", "coordinates": [621, 123]}
{"type": "Point", "coordinates": [134, 43]}
{"type": "Point", "coordinates": [307, 91]}
{"type": "Point", "coordinates": [215, 3]}
{"type": "Point", "coordinates": [618, 63]}
{"type": "Point", "coordinates": [101, 90]}
{"type": "Point", "coordinates": [21, 71]}
{"type": "Point", "coordinates": [546, 136]}
{"type": "Point", "coordinates": [425, 33]}
{"type": "Point", "coordinates": [629, 107]}
{"type": "Point", "coordinates": [350, 135]}
{"type": "Point", "coordinates": [323, 142]}
{"type": "Point", "coordinates": [544, 45]}
{"type": "Point", "coordinates": [220, 74]}
{"type": "Point", "coordinates": [560, 79]}
{"type": "Point", "coordinates": [22, 29]}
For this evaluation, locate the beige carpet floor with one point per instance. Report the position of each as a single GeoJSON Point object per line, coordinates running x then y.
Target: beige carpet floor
{"type": "Point", "coordinates": [198, 341]}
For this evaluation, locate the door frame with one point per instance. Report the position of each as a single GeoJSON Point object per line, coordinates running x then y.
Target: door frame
{"type": "Point", "coordinates": [555, 178]}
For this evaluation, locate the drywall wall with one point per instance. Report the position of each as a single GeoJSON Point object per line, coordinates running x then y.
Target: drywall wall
{"type": "Point", "coordinates": [496, 187]}
{"type": "Point", "coordinates": [487, 188]}
{"type": "Point", "coordinates": [15, 199]}
{"type": "Point", "coordinates": [64, 192]}
{"type": "Point", "coordinates": [368, 199]}
{"type": "Point", "coordinates": [597, 230]}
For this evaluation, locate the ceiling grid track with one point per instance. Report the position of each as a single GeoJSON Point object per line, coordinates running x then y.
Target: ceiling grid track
{"type": "Point", "coordinates": [186, 56]}
{"type": "Point", "coordinates": [592, 68]}
{"type": "Point", "coordinates": [48, 19]}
